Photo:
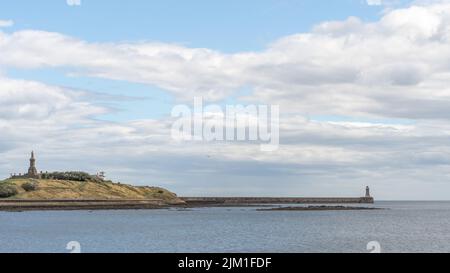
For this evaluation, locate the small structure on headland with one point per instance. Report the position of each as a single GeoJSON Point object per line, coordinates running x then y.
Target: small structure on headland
{"type": "Point", "coordinates": [101, 175]}
{"type": "Point", "coordinates": [32, 170]}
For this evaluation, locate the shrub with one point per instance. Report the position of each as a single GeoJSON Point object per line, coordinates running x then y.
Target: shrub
{"type": "Point", "coordinates": [72, 176]}
{"type": "Point", "coordinates": [7, 190]}
{"type": "Point", "coordinates": [30, 186]}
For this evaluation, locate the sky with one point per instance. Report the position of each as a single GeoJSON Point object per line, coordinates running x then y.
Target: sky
{"type": "Point", "coordinates": [362, 88]}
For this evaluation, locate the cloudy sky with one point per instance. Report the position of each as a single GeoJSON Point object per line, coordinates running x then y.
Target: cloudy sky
{"type": "Point", "coordinates": [363, 89]}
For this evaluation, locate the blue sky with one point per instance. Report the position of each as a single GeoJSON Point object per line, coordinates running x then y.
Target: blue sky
{"type": "Point", "coordinates": [228, 26]}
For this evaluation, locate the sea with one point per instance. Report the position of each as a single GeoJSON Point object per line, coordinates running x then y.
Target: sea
{"type": "Point", "coordinates": [400, 226]}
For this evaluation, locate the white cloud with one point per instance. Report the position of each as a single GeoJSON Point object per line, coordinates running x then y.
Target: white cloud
{"type": "Point", "coordinates": [358, 64]}
{"type": "Point", "coordinates": [6, 23]}
{"type": "Point", "coordinates": [27, 101]}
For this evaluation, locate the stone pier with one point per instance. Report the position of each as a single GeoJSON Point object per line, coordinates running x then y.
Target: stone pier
{"type": "Point", "coordinates": [276, 200]}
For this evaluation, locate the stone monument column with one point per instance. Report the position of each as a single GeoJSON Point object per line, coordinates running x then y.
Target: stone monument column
{"type": "Point", "coordinates": [32, 171]}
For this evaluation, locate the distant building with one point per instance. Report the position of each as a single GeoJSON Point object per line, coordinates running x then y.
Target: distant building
{"type": "Point", "coordinates": [32, 171]}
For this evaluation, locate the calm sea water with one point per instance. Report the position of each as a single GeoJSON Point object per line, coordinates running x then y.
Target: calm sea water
{"type": "Point", "coordinates": [404, 227]}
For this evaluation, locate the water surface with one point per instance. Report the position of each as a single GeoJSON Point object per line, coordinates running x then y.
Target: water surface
{"type": "Point", "coordinates": [402, 227]}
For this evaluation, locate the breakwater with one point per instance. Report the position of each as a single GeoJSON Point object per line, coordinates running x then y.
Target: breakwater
{"type": "Point", "coordinates": [119, 204]}
{"type": "Point", "coordinates": [275, 200]}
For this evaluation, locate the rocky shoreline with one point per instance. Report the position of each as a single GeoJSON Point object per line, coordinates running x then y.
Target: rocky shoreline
{"type": "Point", "coordinates": [43, 205]}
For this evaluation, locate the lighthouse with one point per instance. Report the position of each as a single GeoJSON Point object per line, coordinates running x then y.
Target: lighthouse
{"type": "Point", "coordinates": [367, 191]}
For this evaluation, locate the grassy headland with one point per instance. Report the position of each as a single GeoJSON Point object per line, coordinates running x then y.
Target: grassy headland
{"type": "Point", "coordinates": [52, 189]}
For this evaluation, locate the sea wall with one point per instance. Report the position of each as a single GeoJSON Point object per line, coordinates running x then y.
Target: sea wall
{"type": "Point", "coordinates": [276, 200]}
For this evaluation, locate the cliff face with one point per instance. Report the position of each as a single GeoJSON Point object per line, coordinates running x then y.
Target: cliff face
{"type": "Point", "coordinates": [43, 189]}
